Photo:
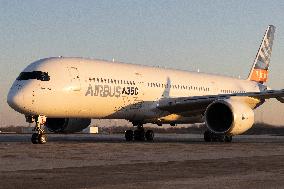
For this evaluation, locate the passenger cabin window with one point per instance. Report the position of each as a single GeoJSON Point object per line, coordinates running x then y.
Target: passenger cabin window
{"type": "Point", "coordinates": [38, 75]}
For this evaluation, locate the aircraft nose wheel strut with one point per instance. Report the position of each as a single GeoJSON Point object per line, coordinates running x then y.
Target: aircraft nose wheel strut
{"type": "Point", "coordinates": [39, 136]}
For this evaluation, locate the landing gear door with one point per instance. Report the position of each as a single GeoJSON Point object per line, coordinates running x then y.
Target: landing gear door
{"type": "Point", "coordinates": [75, 79]}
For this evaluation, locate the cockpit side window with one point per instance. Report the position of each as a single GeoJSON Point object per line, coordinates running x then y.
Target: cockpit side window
{"type": "Point", "coordinates": [39, 75]}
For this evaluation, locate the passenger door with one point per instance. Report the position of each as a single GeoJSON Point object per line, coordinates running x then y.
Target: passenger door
{"type": "Point", "coordinates": [75, 78]}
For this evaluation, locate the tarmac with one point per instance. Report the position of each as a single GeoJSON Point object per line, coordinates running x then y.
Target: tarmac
{"type": "Point", "coordinates": [171, 161]}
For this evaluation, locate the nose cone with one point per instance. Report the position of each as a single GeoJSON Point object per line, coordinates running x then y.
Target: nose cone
{"type": "Point", "coordinates": [15, 99]}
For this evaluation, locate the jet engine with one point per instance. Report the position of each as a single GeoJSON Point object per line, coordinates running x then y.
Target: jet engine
{"type": "Point", "coordinates": [228, 116]}
{"type": "Point", "coordinates": [67, 125]}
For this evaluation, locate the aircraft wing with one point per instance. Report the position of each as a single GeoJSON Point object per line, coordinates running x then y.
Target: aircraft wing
{"type": "Point", "coordinates": [198, 104]}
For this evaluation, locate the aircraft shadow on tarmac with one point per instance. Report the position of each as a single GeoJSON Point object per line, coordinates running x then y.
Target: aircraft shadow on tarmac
{"type": "Point", "coordinates": [119, 138]}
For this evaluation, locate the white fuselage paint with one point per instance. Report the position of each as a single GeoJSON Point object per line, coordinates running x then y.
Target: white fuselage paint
{"type": "Point", "coordinates": [85, 88]}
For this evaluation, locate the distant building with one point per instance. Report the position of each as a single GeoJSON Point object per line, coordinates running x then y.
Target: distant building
{"type": "Point", "coordinates": [91, 130]}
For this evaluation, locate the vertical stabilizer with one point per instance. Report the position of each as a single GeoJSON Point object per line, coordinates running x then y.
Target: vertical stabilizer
{"type": "Point", "coordinates": [259, 70]}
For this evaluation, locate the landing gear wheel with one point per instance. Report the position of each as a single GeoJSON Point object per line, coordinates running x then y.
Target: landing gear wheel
{"type": "Point", "coordinates": [149, 135]}
{"type": "Point", "coordinates": [128, 135]}
{"type": "Point", "coordinates": [139, 135]}
{"type": "Point", "coordinates": [228, 138]}
{"type": "Point", "coordinates": [207, 136]}
{"type": "Point", "coordinates": [34, 138]}
{"type": "Point", "coordinates": [38, 138]}
{"type": "Point", "coordinates": [221, 138]}
{"type": "Point", "coordinates": [42, 138]}
{"type": "Point", "coordinates": [212, 137]}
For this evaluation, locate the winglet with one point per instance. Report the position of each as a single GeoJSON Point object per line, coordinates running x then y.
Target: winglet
{"type": "Point", "coordinates": [259, 70]}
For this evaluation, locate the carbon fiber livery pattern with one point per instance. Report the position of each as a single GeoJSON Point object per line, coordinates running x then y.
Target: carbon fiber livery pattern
{"type": "Point", "coordinates": [259, 71]}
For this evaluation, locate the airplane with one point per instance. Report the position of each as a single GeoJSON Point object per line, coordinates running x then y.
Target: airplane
{"type": "Point", "coordinates": [63, 94]}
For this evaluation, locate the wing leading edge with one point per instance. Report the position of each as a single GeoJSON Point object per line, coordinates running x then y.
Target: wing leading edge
{"type": "Point", "coordinates": [198, 104]}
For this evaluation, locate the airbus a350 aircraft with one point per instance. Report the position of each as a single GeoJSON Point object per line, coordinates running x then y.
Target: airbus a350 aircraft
{"type": "Point", "coordinates": [64, 94]}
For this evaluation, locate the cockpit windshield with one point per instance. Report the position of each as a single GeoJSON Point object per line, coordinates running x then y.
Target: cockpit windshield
{"type": "Point", "coordinates": [39, 75]}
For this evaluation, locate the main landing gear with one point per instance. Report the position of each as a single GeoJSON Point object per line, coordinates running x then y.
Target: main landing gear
{"type": "Point", "coordinates": [212, 137]}
{"type": "Point", "coordinates": [139, 134]}
{"type": "Point", "coordinates": [39, 136]}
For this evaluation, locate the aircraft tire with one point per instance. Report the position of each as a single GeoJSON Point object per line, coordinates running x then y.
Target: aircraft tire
{"type": "Point", "coordinates": [42, 139]}
{"type": "Point", "coordinates": [149, 135]}
{"type": "Point", "coordinates": [221, 138]}
{"type": "Point", "coordinates": [228, 138]}
{"type": "Point", "coordinates": [34, 138]}
{"type": "Point", "coordinates": [128, 135]}
{"type": "Point", "coordinates": [207, 136]}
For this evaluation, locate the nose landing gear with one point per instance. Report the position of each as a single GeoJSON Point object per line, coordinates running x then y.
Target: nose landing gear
{"type": "Point", "coordinates": [39, 137]}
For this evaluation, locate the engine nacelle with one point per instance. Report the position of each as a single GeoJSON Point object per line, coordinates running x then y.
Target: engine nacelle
{"type": "Point", "coordinates": [67, 125]}
{"type": "Point", "coordinates": [229, 116]}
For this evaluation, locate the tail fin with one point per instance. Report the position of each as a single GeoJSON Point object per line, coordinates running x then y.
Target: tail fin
{"type": "Point", "coordinates": [259, 70]}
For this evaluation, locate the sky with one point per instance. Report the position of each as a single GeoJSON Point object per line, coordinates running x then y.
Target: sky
{"type": "Point", "coordinates": [220, 37]}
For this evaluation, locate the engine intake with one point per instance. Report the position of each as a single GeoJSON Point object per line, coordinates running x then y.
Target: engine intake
{"type": "Point", "coordinates": [229, 116]}
{"type": "Point", "coordinates": [219, 117]}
